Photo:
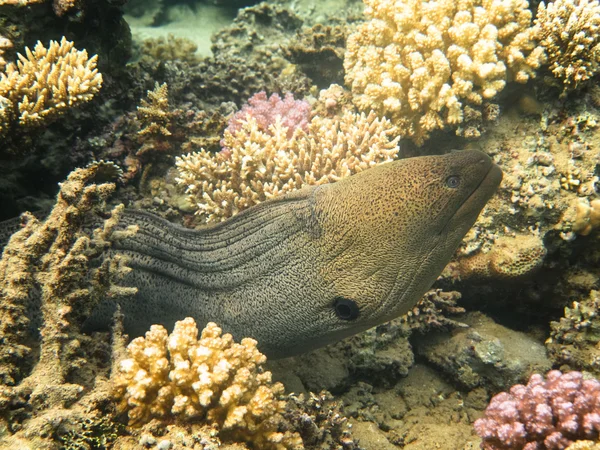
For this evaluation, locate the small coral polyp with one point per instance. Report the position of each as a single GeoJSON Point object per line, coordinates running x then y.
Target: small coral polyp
{"type": "Point", "coordinates": [180, 377]}
{"type": "Point", "coordinates": [420, 63]}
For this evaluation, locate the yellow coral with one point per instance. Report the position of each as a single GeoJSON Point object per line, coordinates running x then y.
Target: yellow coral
{"type": "Point", "coordinates": [264, 164]}
{"type": "Point", "coordinates": [421, 62]}
{"type": "Point", "coordinates": [45, 82]}
{"type": "Point", "coordinates": [584, 445]}
{"type": "Point", "coordinates": [154, 112]}
{"type": "Point", "coordinates": [5, 43]}
{"type": "Point", "coordinates": [569, 30]}
{"type": "Point", "coordinates": [212, 378]}
{"type": "Point", "coordinates": [587, 216]}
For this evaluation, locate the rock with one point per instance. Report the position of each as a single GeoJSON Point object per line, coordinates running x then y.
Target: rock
{"type": "Point", "coordinates": [485, 354]}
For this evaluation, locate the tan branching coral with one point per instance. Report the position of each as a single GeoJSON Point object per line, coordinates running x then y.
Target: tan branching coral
{"type": "Point", "coordinates": [569, 30]}
{"type": "Point", "coordinates": [51, 274]}
{"type": "Point", "coordinates": [511, 257]}
{"type": "Point", "coordinates": [155, 119]}
{"type": "Point", "coordinates": [262, 165]}
{"type": "Point", "coordinates": [45, 82]}
{"type": "Point", "coordinates": [420, 63]}
{"type": "Point", "coordinates": [211, 378]}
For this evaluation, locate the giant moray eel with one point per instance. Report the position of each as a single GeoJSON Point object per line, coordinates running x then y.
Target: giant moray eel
{"type": "Point", "coordinates": [314, 266]}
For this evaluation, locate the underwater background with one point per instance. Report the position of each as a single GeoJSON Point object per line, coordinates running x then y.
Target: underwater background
{"type": "Point", "coordinates": [196, 110]}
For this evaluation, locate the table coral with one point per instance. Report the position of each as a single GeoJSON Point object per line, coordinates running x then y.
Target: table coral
{"type": "Point", "coordinates": [569, 30]}
{"type": "Point", "coordinates": [548, 413]}
{"type": "Point", "coordinates": [263, 164]}
{"type": "Point", "coordinates": [211, 378]}
{"type": "Point", "coordinates": [422, 63]}
{"type": "Point", "coordinates": [45, 82]}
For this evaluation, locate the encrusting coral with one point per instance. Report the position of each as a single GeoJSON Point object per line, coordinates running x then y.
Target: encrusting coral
{"type": "Point", "coordinates": [48, 279]}
{"type": "Point", "coordinates": [510, 258]}
{"type": "Point", "coordinates": [421, 63]}
{"type": "Point", "coordinates": [211, 378]}
{"type": "Point", "coordinates": [569, 30]}
{"type": "Point", "coordinates": [263, 164]}
{"type": "Point", "coordinates": [45, 82]}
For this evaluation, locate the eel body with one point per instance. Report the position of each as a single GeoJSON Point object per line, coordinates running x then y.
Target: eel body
{"type": "Point", "coordinates": [309, 268]}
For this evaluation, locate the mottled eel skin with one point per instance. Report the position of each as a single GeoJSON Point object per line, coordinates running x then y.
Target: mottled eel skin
{"type": "Point", "coordinates": [306, 269]}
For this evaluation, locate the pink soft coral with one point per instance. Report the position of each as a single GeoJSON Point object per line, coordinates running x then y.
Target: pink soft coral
{"type": "Point", "coordinates": [546, 414]}
{"type": "Point", "coordinates": [292, 113]}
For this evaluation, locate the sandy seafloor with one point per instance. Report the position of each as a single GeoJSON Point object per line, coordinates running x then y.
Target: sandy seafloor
{"type": "Point", "coordinates": [424, 392]}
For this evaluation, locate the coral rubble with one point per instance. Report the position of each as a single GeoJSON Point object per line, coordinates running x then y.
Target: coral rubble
{"type": "Point", "coordinates": [575, 337]}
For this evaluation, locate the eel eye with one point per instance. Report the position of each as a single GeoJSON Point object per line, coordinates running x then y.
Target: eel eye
{"type": "Point", "coordinates": [345, 309]}
{"type": "Point", "coordinates": [453, 181]}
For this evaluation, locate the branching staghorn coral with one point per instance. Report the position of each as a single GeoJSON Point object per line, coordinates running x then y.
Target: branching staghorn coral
{"type": "Point", "coordinates": [155, 119]}
{"type": "Point", "coordinates": [262, 164]}
{"type": "Point", "coordinates": [47, 277]}
{"type": "Point", "coordinates": [569, 30]}
{"type": "Point", "coordinates": [211, 378]}
{"type": "Point", "coordinates": [421, 63]}
{"type": "Point", "coordinates": [44, 83]}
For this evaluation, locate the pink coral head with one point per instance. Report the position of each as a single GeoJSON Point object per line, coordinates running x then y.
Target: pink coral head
{"type": "Point", "coordinates": [548, 413]}
{"type": "Point", "coordinates": [292, 114]}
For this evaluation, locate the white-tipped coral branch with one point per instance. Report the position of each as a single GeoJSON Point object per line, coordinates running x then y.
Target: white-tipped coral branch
{"type": "Point", "coordinates": [263, 164]}
{"type": "Point", "coordinates": [45, 82]}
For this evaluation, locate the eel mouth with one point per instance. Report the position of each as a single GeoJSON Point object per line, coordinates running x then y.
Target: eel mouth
{"type": "Point", "coordinates": [478, 197]}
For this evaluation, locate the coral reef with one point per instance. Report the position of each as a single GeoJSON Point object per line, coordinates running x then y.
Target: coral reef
{"type": "Point", "coordinates": [422, 63]}
{"type": "Point", "coordinates": [323, 43]}
{"type": "Point", "coordinates": [42, 84]}
{"type": "Point", "coordinates": [584, 445]}
{"type": "Point", "coordinates": [264, 164]}
{"type": "Point", "coordinates": [547, 413]}
{"type": "Point", "coordinates": [587, 216]}
{"type": "Point", "coordinates": [569, 31]}
{"type": "Point", "coordinates": [155, 119]}
{"type": "Point", "coordinates": [171, 48]}
{"type": "Point", "coordinates": [210, 378]}
{"type": "Point", "coordinates": [574, 338]}
{"type": "Point", "coordinates": [321, 422]}
{"type": "Point", "coordinates": [49, 278]}
{"type": "Point", "coordinates": [290, 113]}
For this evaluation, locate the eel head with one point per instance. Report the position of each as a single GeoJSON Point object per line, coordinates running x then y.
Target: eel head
{"type": "Point", "coordinates": [387, 233]}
